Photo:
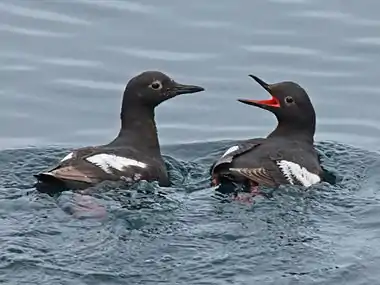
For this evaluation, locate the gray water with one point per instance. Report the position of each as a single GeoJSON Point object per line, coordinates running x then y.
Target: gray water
{"type": "Point", "coordinates": [63, 67]}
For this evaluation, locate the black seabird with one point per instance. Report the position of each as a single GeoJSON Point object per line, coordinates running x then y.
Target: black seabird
{"type": "Point", "coordinates": [286, 155]}
{"type": "Point", "coordinates": [134, 154]}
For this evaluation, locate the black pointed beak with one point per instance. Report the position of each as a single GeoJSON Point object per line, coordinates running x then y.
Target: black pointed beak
{"type": "Point", "coordinates": [270, 104]}
{"type": "Point", "coordinates": [262, 83]}
{"type": "Point", "coordinates": [186, 89]}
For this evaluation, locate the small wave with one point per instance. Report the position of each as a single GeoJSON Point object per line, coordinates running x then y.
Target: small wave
{"type": "Point", "coordinates": [90, 84]}
{"type": "Point", "coordinates": [288, 70]}
{"type": "Point", "coordinates": [162, 55]}
{"type": "Point", "coordinates": [72, 62]}
{"type": "Point", "coordinates": [291, 1]}
{"type": "Point", "coordinates": [32, 32]}
{"type": "Point", "coordinates": [17, 67]}
{"type": "Point", "coordinates": [130, 6]}
{"type": "Point", "coordinates": [373, 41]}
{"type": "Point", "coordinates": [41, 14]}
{"type": "Point", "coordinates": [345, 18]}
{"type": "Point", "coordinates": [277, 49]}
{"type": "Point", "coordinates": [164, 227]}
{"type": "Point", "coordinates": [209, 24]}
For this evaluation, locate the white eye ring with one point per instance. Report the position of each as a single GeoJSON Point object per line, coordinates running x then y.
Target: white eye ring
{"type": "Point", "coordinates": [156, 85]}
{"type": "Point", "coordinates": [289, 100]}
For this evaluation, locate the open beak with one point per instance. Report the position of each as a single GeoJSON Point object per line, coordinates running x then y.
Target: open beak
{"type": "Point", "coordinates": [185, 89]}
{"type": "Point", "coordinates": [265, 104]}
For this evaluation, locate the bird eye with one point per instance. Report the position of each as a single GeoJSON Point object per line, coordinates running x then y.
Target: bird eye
{"type": "Point", "coordinates": [156, 85]}
{"type": "Point", "coordinates": [289, 100]}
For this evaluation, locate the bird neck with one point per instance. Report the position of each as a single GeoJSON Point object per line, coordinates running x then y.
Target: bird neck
{"type": "Point", "coordinates": [138, 126]}
{"type": "Point", "coordinates": [299, 132]}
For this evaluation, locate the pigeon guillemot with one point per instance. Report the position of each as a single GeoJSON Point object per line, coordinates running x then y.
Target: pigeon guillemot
{"type": "Point", "coordinates": [134, 154]}
{"type": "Point", "coordinates": [286, 155]}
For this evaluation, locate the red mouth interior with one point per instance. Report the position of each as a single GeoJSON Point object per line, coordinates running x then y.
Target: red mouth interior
{"type": "Point", "coordinates": [273, 102]}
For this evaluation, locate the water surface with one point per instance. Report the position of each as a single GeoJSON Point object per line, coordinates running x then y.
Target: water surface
{"type": "Point", "coordinates": [63, 67]}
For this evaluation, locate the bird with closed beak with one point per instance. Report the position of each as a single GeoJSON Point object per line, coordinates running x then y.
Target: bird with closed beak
{"type": "Point", "coordinates": [134, 154]}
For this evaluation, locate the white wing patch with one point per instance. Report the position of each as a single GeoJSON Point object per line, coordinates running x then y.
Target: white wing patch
{"type": "Point", "coordinates": [107, 162]}
{"type": "Point", "coordinates": [231, 149]}
{"type": "Point", "coordinates": [67, 157]}
{"type": "Point", "coordinates": [293, 171]}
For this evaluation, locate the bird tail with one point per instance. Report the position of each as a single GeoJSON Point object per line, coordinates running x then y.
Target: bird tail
{"type": "Point", "coordinates": [62, 179]}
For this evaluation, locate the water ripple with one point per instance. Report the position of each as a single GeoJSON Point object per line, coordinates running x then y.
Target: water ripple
{"type": "Point", "coordinates": [291, 71]}
{"type": "Point", "coordinates": [277, 49]}
{"type": "Point", "coordinates": [162, 54]}
{"type": "Point", "coordinates": [131, 6]}
{"type": "Point", "coordinates": [324, 14]}
{"type": "Point", "coordinates": [209, 24]}
{"type": "Point", "coordinates": [110, 86]}
{"type": "Point", "coordinates": [291, 1]}
{"type": "Point", "coordinates": [32, 32]}
{"type": "Point", "coordinates": [60, 61]}
{"type": "Point", "coordinates": [357, 89]}
{"type": "Point", "coordinates": [345, 18]}
{"type": "Point", "coordinates": [343, 58]}
{"type": "Point", "coordinates": [354, 123]}
{"type": "Point", "coordinates": [17, 67]}
{"type": "Point", "coordinates": [375, 41]}
{"type": "Point", "coordinates": [189, 237]}
{"type": "Point", "coordinates": [41, 14]}
{"type": "Point", "coordinates": [72, 62]}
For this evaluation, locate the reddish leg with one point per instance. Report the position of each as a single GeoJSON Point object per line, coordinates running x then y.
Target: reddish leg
{"type": "Point", "coordinates": [248, 198]}
{"type": "Point", "coordinates": [254, 190]}
{"type": "Point", "coordinates": [243, 198]}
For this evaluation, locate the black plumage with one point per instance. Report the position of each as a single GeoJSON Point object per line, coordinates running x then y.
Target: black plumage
{"type": "Point", "coordinates": [287, 155]}
{"type": "Point", "coordinates": [134, 154]}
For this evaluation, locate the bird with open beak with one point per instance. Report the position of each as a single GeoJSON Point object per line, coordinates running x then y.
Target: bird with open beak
{"type": "Point", "coordinates": [286, 155]}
